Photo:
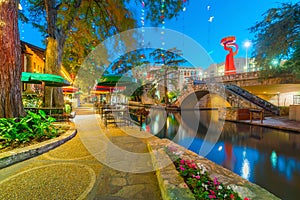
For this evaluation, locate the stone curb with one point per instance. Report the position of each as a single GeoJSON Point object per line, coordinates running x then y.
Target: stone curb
{"type": "Point", "coordinates": [18, 155]}
{"type": "Point", "coordinates": [171, 184]}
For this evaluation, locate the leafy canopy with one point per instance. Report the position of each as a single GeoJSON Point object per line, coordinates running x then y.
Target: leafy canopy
{"type": "Point", "coordinates": [277, 39]}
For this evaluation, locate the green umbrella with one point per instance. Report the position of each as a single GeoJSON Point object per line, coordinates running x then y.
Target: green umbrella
{"type": "Point", "coordinates": [113, 80]}
{"type": "Point", "coordinates": [49, 79]}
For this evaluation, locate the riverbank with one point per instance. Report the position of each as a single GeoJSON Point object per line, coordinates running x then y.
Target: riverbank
{"type": "Point", "coordinates": [275, 122]}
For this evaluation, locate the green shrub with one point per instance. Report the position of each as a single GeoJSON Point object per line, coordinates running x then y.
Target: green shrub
{"type": "Point", "coordinates": [15, 131]}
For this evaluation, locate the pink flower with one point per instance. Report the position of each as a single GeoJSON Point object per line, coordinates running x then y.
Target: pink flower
{"type": "Point", "coordinates": [182, 162]}
{"type": "Point", "coordinates": [181, 168]}
{"type": "Point", "coordinates": [197, 177]}
{"type": "Point", "coordinates": [211, 196]}
{"type": "Point", "coordinates": [193, 165]}
{"type": "Point", "coordinates": [246, 198]}
{"type": "Point", "coordinates": [216, 181]}
{"type": "Point", "coordinates": [212, 192]}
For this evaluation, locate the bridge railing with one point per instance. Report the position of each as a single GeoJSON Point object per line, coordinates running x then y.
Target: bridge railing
{"type": "Point", "coordinates": [233, 77]}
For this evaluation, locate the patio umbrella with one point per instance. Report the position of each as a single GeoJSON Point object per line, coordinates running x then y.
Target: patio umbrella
{"type": "Point", "coordinates": [49, 79]}
{"type": "Point", "coordinates": [115, 80]}
{"type": "Point", "coordinates": [69, 90]}
{"type": "Point", "coordinates": [44, 79]}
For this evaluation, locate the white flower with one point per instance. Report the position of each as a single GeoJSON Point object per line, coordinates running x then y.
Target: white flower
{"type": "Point", "coordinates": [220, 187]}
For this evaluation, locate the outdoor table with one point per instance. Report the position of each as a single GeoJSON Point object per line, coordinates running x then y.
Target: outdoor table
{"type": "Point", "coordinates": [111, 115]}
{"type": "Point", "coordinates": [261, 114]}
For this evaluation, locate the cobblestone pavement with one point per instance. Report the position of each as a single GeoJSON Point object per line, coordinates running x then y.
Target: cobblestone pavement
{"type": "Point", "coordinates": [84, 168]}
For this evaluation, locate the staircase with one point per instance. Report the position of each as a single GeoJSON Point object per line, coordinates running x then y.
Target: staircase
{"type": "Point", "coordinates": [253, 99]}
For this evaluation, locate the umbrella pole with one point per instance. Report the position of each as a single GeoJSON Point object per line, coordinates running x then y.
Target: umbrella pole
{"type": "Point", "coordinates": [51, 99]}
{"type": "Point", "coordinates": [44, 97]}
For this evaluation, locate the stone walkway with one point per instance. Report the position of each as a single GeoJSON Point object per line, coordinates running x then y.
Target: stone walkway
{"type": "Point", "coordinates": [278, 122]}
{"type": "Point", "coordinates": [97, 163]}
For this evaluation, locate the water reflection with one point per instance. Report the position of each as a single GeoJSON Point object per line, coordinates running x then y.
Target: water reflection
{"type": "Point", "coordinates": [264, 156]}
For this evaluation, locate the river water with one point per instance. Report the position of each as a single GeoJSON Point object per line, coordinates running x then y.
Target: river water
{"type": "Point", "coordinates": [267, 157]}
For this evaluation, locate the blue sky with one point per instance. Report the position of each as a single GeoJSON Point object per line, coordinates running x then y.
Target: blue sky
{"type": "Point", "coordinates": [231, 17]}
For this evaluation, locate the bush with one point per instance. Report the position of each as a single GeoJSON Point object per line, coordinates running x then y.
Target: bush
{"type": "Point", "coordinates": [199, 181]}
{"type": "Point", "coordinates": [16, 131]}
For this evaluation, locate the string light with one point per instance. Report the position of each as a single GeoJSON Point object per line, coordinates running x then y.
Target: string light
{"type": "Point", "coordinates": [143, 23]}
{"type": "Point", "coordinates": [162, 17]}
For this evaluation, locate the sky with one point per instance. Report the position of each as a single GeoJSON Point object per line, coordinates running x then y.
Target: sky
{"type": "Point", "coordinates": [230, 18]}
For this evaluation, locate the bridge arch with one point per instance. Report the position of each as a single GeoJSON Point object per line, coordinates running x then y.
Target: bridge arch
{"type": "Point", "coordinates": [213, 99]}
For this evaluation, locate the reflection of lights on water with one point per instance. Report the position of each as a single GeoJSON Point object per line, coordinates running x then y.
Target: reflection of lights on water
{"type": "Point", "coordinates": [220, 148]}
{"type": "Point", "coordinates": [168, 123]}
{"type": "Point", "coordinates": [244, 153]}
{"type": "Point", "coordinates": [155, 128]}
{"type": "Point", "coordinates": [245, 169]}
{"type": "Point", "coordinates": [273, 159]}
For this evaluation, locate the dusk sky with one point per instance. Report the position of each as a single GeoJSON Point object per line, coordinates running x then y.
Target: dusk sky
{"type": "Point", "coordinates": [230, 18]}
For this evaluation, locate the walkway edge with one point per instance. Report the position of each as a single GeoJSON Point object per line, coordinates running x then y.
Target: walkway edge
{"type": "Point", "coordinates": [282, 128]}
{"type": "Point", "coordinates": [18, 155]}
{"type": "Point", "coordinates": [171, 184]}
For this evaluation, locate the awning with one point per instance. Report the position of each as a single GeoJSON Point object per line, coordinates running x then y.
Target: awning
{"type": "Point", "coordinates": [69, 89]}
{"type": "Point", "coordinates": [49, 79]}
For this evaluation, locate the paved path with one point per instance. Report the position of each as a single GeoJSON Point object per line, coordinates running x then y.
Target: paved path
{"type": "Point", "coordinates": [278, 122]}
{"type": "Point", "coordinates": [86, 167]}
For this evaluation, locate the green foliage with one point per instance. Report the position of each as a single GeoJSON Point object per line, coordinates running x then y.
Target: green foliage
{"type": "Point", "coordinates": [68, 108]}
{"type": "Point", "coordinates": [173, 95]}
{"type": "Point", "coordinates": [31, 101]}
{"type": "Point", "coordinates": [277, 38]}
{"type": "Point", "coordinates": [169, 60]}
{"type": "Point", "coordinates": [15, 131]}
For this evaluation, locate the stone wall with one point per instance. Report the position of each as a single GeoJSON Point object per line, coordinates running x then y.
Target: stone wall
{"type": "Point", "coordinates": [294, 112]}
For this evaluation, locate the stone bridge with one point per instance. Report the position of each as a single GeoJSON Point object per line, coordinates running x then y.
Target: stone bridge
{"type": "Point", "coordinates": [227, 91]}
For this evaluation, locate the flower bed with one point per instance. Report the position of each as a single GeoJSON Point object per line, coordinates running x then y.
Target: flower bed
{"type": "Point", "coordinates": [198, 180]}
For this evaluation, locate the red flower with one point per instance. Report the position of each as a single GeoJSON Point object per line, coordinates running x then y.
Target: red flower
{"type": "Point", "coordinates": [231, 196]}
{"type": "Point", "coordinates": [246, 198]}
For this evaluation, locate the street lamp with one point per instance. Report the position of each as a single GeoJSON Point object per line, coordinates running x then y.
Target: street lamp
{"type": "Point", "coordinates": [247, 44]}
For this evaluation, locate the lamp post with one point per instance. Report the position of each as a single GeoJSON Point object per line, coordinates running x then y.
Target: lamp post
{"type": "Point", "coordinates": [247, 44]}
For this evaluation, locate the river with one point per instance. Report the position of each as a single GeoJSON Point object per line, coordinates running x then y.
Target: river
{"type": "Point", "coordinates": [265, 156]}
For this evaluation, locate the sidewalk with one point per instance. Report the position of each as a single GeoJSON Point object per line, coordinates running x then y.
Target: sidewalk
{"type": "Point", "coordinates": [98, 163]}
{"type": "Point", "coordinates": [278, 122]}
{"type": "Point", "coordinates": [86, 167]}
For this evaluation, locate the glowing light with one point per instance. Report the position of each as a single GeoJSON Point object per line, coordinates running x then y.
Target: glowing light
{"type": "Point", "coordinates": [246, 169]}
{"type": "Point", "coordinates": [273, 159]}
{"type": "Point", "coordinates": [20, 7]}
{"type": "Point", "coordinates": [220, 148]}
{"type": "Point", "coordinates": [247, 44]}
{"type": "Point", "coordinates": [274, 62]}
{"type": "Point", "coordinates": [184, 9]}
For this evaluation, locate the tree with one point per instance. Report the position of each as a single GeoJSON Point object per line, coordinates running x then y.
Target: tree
{"type": "Point", "coordinates": [169, 60]}
{"type": "Point", "coordinates": [59, 19]}
{"type": "Point", "coordinates": [10, 62]}
{"type": "Point", "coordinates": [277, 37]}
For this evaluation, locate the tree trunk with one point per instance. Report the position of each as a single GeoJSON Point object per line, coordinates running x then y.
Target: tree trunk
{"type": "Point", "coordinates": [53, 96]}
{"type": "Point", "coordinates": [10, 62]}
{"type": "Point", "coordinates": [166, 87]}
{"type": "Point", "coordinates": [53, 66]}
